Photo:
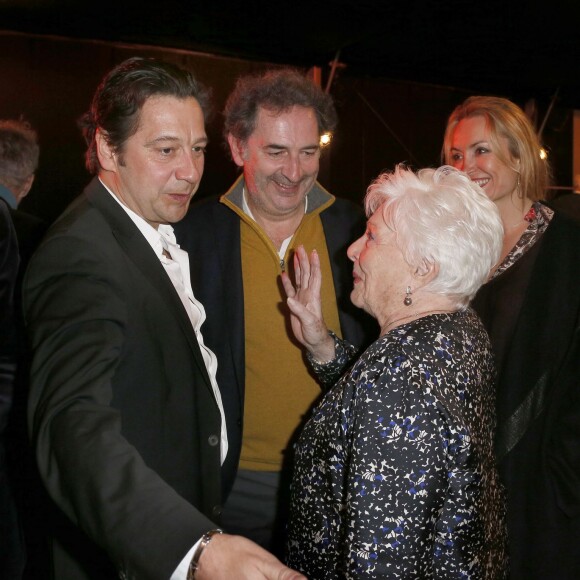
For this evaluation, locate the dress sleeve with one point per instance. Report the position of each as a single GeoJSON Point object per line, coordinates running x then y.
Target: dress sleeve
{"type": "Point", "coordinates": [328, 373]}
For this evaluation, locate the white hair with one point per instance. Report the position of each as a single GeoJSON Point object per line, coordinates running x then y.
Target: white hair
{"type": "Point", "coordinates": [443, 218]}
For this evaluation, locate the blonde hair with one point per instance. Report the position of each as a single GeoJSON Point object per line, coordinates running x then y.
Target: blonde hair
{"type": "Point", "coordinates": [504, 118]}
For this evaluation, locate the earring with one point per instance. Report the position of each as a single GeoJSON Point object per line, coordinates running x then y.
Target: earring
{"type": "Point", "coordinates": [519, 192]}
{"type": "Point", "coordinates": [408, 300]}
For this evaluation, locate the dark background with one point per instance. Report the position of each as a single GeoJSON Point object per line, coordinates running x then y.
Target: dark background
{"type": "Point", "coordinates": [402, 67]}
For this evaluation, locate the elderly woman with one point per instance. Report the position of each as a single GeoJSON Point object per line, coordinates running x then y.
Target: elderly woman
{"type": "Point", "coordinates": [394, 473]}
{"type": "Point", "coordinates": [531, 309]}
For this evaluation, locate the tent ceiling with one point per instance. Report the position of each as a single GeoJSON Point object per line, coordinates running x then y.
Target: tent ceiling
{"type": "Point", "coordinates": [517, 48]}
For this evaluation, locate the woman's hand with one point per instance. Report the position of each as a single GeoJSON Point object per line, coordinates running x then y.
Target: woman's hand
{"type": "Point", "coordinates": [305, 306]}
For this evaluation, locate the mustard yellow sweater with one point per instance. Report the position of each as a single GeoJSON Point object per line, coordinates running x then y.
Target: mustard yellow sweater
{"type": "Point", "coordinates": [279, 389]}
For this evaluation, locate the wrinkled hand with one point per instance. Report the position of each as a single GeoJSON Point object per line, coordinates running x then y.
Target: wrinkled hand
{"type": "Point", "coordinates": [305, 305]}
{"type": "Point", "coordinates": [227, 557]}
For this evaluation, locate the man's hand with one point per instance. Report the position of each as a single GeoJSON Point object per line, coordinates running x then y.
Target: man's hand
{"type": "Point", "coordinates": [230, 557]}
{"type": "Point", "coordinates": [305, 305]}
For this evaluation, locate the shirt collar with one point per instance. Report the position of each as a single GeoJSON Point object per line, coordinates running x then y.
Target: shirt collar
{"type": "Point", "coordinates": [248, 211]}
{"type": "Point", "coordinates": [8, 196]}
{"type": "Point", "coordinates": [152, 235]}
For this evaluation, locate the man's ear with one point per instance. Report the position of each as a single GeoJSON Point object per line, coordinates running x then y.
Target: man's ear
{"type": "Point", "coordinates": [105, 153]}
{"type": "Point", "coordinates": [23, 191]}
{"type": "Point", "coordinates": [238, 150]}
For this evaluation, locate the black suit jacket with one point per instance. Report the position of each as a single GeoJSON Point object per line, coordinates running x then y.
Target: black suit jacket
{"type": "Point", "coordinates": [121, 410]}
{"type": "Point", "coordinates": [8, 272]}
{"type": "Point", "coordinates": [210, 233]}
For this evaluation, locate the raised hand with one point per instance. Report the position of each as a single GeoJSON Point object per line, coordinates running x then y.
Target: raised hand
{"type": "Point", "coordinates": [305, 305]}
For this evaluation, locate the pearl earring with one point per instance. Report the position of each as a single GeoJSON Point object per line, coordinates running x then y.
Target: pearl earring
{"type": "Point", "coordinates": [408, 300]}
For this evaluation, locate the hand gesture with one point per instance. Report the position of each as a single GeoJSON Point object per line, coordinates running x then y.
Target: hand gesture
{"type": "Point", "coordinates": [305, 306]}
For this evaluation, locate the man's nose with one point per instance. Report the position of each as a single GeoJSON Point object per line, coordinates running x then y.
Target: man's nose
{"type": "Point", "coordinates": [190, 168]}
{"type": "Point", "coordinates": [292, 169]}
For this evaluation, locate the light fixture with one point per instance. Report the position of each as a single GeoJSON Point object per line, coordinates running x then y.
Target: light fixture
{"type": "Point", "coordinates": [325, 139]}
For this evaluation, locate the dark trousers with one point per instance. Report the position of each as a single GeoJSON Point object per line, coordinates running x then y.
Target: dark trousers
{"type": "Point", "coordinates": [257, 508]}
{"type": "Point", "coordinates": [12, 552]}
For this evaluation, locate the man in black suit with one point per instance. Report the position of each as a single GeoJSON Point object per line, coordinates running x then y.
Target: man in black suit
{"type": "Point", "coordinates": [19, 153]}
{"type": "Point", "coordinates": [125, 412]}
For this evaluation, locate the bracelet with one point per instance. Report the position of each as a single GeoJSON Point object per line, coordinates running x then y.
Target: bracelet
{"type": "Point", "coordinates": [205, 540]}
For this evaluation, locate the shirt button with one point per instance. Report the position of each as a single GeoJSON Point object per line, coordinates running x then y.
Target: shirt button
{"type": "Point", "coordinates": [216, 511]}
{"type": "Point", "coordinates": [213, 440]}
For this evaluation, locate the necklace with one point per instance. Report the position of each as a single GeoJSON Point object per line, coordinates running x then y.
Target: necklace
{"type": "Point", "coordinates": [391, 324]}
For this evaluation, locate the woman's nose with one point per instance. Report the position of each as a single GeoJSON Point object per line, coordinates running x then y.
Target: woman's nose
{"type": "Point", "coordinates": [354, 249]}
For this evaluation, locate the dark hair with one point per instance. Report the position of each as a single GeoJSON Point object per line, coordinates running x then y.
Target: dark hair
{"type": "Point", "coordinates": [277, 91]}
{"type": "Point", "coordinates": [19, 152]}
{"type": "Point", "coordinates": [119, 98]}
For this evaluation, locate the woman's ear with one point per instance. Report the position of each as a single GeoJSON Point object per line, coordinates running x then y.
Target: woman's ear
{"type": "Point", "coordinates": [425, 273]}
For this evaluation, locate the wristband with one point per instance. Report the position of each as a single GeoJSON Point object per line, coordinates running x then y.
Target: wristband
{"type": "Point", "coordinates": [205, 540]}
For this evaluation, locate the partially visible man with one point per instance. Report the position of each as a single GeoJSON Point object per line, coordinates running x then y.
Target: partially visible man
{"type": "Point", "coordinates": [19, 153]}
{"type": "Point", "coordinates": [125, 412]}
{"type": "Point", "coordinates": [273, 125]}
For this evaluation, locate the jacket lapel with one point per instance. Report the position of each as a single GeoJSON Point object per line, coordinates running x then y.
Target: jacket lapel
{"type": "Point", "coordinates": [228, 249]}
{"type": "Point", "coordinates": [140, 252]}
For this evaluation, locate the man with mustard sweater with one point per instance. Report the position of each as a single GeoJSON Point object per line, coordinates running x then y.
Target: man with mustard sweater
{"type": "Point", "coordinates": [243, 241]}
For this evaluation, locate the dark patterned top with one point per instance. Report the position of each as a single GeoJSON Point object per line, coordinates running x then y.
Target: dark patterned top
{"type": "Point", "coordinates": [394, 474]}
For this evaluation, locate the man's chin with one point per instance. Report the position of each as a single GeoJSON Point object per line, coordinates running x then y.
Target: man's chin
{"type": "Point", "coordinates": [176, 215]}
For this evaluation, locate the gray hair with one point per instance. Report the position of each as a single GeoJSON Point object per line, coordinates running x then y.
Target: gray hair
{"type": "Point", "coordinates": [276, 91]}
{"type": "Point", "coordinates": [19, 153]}
{"type": "Point", "coordinates": [441, 217]}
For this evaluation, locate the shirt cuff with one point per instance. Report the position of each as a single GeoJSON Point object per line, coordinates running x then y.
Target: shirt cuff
{"type": "Point", "coordinates": [181, 570]}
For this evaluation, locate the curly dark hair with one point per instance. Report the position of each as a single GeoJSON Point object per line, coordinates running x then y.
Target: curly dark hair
{"type": "Point", "coordinates": [119, 98]}
{"type": "Point", "coordinates": [277, 91]}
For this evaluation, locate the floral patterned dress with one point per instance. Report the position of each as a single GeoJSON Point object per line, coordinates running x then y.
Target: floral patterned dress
{"type": "Point", "coordinates": [394, 474]}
